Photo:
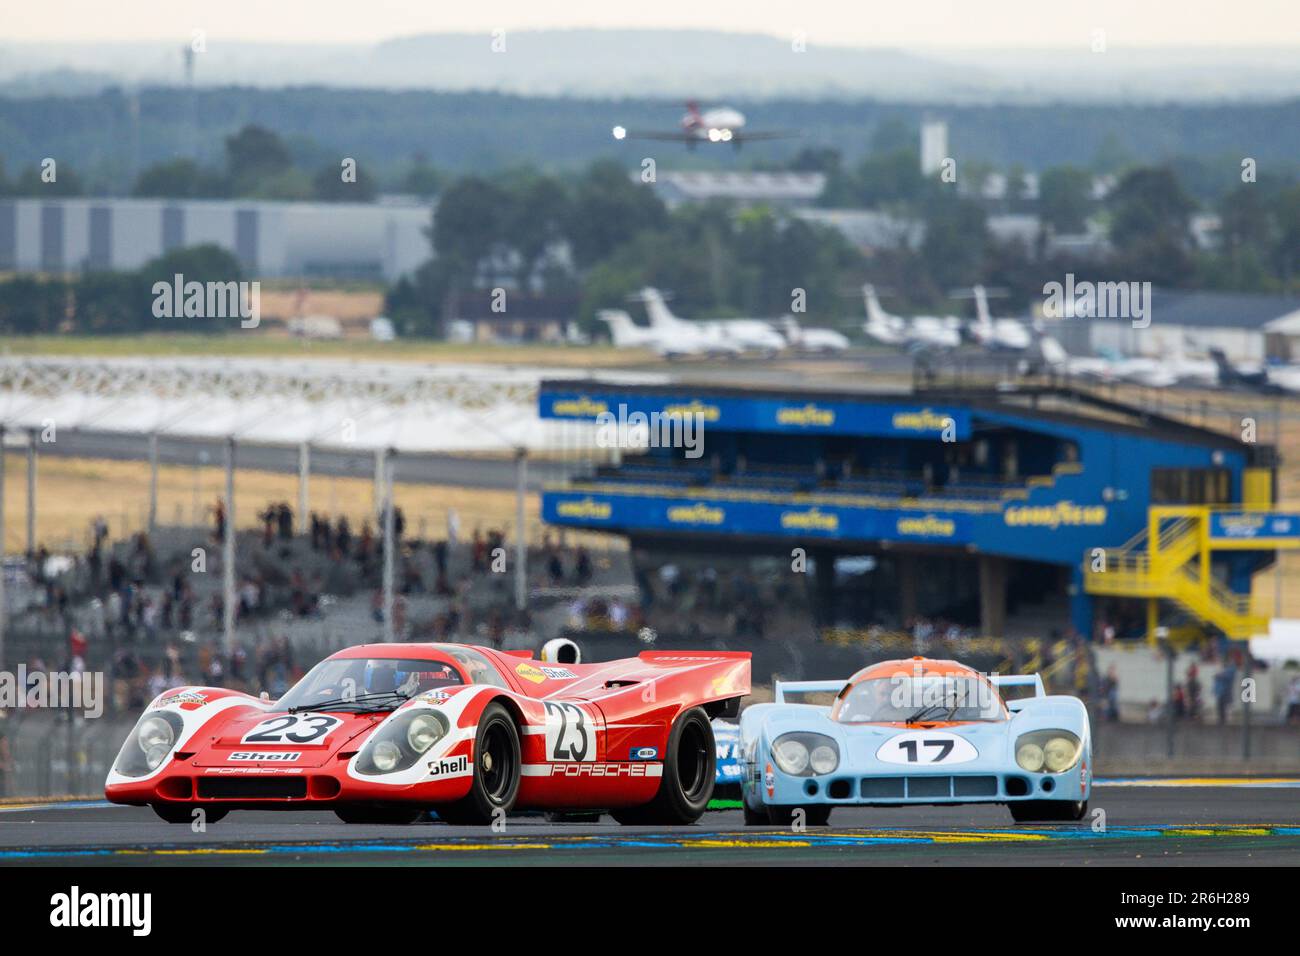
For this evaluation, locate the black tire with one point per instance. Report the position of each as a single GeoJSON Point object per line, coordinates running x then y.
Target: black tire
{"type": "Point", "coordinates": [754, 818]}
{"type": "Point", "coordinates": [495, 784]}
{"type": "Point", "coordinates": [817, 815]}
{"type": "Point", "coordinates": [380, 816]}
{"type": "Point", "coordinates": [1048, 811]}
{"type": "Point", "coordinates": [690, 765]}
{"type": "Point", "coordinates": [184, 812]}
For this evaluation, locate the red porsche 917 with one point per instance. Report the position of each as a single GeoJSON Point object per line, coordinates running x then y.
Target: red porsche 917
{"type": "Point", "coordinates": [383, 732]}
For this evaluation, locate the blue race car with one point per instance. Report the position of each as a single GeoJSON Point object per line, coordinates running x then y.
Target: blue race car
{"type": "Point", "coordinates": [911, 732]}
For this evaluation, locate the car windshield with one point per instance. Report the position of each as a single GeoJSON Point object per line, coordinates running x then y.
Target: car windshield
{"type": "Point", "coordinates": [367, 683]}
{"type": "Point", "coordinates": [904, 697]}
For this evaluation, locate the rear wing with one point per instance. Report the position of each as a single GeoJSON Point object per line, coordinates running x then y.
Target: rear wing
{"type": "Point", "coordinates": [1019, 680]}
{"type": "Point", "coordinates": [783, 687]}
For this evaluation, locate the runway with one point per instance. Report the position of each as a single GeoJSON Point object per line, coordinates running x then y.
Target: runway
{"type": "Point", "coordinates": [1166, 822]}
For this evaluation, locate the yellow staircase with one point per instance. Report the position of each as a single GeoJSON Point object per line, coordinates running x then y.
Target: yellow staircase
{"type": "Point", "coordinates": [1170, 560]}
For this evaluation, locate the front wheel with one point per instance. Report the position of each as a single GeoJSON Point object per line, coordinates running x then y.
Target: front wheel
{"type": "Point", "coordinates": [184, 812]}
{"type": "Point", "coordinates": [495, 785]}
{"type": "Point", "coordinates": [688, 773]}
{"type": "Point", "coordinates": [1048, 811]}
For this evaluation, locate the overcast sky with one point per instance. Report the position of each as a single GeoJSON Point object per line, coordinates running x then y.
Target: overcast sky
{"type": "Point", "coordinates": [909, 23]}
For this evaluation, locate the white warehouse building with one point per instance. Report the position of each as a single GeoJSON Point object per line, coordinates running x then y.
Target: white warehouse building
{"type": "Point", "coordinates": [1246, 327]}
{"type": "Point", "coordinates": [386, 239]}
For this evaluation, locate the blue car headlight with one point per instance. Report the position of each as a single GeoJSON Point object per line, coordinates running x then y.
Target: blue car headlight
{"type": "Point", "coordinates": [1048, 751]}
{"type": "Point", "coordinates": [803, 754]}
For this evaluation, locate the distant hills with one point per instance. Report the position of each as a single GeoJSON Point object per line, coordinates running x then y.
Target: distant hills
{"type": "Point", "coordinates": [668, 64]}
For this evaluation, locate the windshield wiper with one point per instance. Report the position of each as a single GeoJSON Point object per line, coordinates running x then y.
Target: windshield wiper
{"type": "Point", "coordinates": [916, 717]}
{"type": "Point", "coordinates": [349, 701]}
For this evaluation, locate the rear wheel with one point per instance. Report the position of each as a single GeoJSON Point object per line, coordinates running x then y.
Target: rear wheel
{"type": "Point", "coordinates": [1048, 811]}
{"type": "Point", "coordinates": [184, 812]}
{"type": "Point", "coordinates": [814, 816]}
{"type": "Point", "coordinates": [687, 782]}
{"type": "Point", "coordinates": [380, 816]}
{"type": "Point", "coordinates": [495, 784]}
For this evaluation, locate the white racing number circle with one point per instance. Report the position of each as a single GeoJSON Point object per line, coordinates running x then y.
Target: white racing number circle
{"type": "Point", "coordinates": [925, 747]}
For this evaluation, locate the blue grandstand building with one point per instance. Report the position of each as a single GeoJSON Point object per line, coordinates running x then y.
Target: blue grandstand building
{"type": "Point", "coordinates": [998, 510]}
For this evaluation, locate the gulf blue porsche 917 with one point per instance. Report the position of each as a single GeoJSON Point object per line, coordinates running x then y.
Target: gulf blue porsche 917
{"type": "Point", "coordinates": [917, 731]}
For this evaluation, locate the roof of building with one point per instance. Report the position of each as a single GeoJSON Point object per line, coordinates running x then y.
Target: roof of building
{"type": "Point", "coordinates": [404, 406]}
{"type": "Point", "coordinates": [699, 185]}
{"type": "Point", "coordinates": [1244, 310]}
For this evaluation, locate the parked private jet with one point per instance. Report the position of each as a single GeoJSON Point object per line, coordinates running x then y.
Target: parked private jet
{"type": "Point", "coordinates": [670, 345]}
{"type": "Point", "coordinates": [922, 332]}
{"type": "Point", "coordinates": [1177, 369]}
{"type": "Point", "coordinates": [1003, 335]}
{"type": "Point", "coordinates": [749, 335]}
{"type": "Point", "coordinates": [1264, 378]}
{"type": "Point", "coordinates": [811, 340]}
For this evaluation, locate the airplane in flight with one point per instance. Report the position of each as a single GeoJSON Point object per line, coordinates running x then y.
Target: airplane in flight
{"type": "Point", "coordinates": [923, 332]}
{"type": "Point", "coordinates": [749, 335]}
{"type": "Point", "coordinates": [720, 124]}
{"type": "Point", "coordinates": [688, 343]}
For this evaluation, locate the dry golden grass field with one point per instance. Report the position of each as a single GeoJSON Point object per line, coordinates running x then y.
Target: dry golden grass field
{"type": "Point", "coordinates": [71, 492]}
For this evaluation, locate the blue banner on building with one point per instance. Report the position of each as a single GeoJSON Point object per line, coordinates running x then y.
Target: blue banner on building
{"type": "Point", "coordinates": [760, 414]}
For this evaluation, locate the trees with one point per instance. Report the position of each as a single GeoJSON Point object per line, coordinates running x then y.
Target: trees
{"type": "Point", "coordinates": [1065, 198]}
{"type": "Point", "coordinates": [329, 185]}
{"type": "Point", "coordinates": [255, 152]}
{"type": "Point", "coordinates": [956, 241]}
{"type": "Point", "coordinates": [34, 181]}
{"type": "Point", "coordinates": [32, 306]}
{"type": "Point", "coordinates": [180, 178]}
{"type": "Point", "coordinates": [608, 209]}
{"type": "Point", "coordinates": [1149, 227]}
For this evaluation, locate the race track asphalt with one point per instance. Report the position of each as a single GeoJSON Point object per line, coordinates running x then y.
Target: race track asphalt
{"type": "Point", "coordinates": [1161, 823]}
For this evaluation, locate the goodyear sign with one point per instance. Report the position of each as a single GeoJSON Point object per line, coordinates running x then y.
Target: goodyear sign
{"type": "Point", "coordinates": [806, 416]}
{"type": "Point", "coordinates": [765, 414]}
{"type": "Point", "coordinates": [1055, 515]}
{"type": "Point", "coordinates": [1262, 528]}
{"type": "Point", "coordinates": [1054, 532]}
{"type": "Point", "coordinates": [576, 406]}
{"type": "Point", "coordinates": [813, 519]}
{"type": "Point", "coordinates": [698, 513]}
{"type": "Point", "coordinates": [585, 508]}
{"type": "Point", "coordinates": [926, 526]}
{"type": "Point", "coordinates": [647, 512]}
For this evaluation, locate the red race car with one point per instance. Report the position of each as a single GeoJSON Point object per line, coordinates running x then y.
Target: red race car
{"type": "Point", "coordinates": [382, 732]}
